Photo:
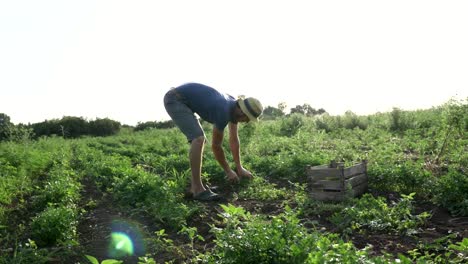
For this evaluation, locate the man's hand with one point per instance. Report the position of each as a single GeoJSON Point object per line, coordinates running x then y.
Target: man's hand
{"type": "Point", "coordinates": [243, 173]}
{"type": "Point", "coordinates": [232, 176]}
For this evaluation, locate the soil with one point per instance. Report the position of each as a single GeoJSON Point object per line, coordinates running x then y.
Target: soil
{"type": "Point", "coordinates": [96, 226]}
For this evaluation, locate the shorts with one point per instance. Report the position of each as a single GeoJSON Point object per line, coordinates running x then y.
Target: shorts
{"type": "Point", "coordinates": [182, 115]}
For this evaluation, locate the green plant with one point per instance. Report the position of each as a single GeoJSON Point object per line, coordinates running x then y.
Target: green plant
{"type": "Point", "coordinates": [290, 125]}
{"type": "Point", "coordinates": [55, 226]}
{"type": "Point", "coordinates": [400, 120]}
{"type": "Point", "coordinates": [59, 190]}
{"type": "Point", "coordinates": [454, 125]}
{"type": "Point", "coordinates": [27, 252]}
{"type": "Point", "coordinates": [262, 190]}
{"type": "Point", "coordinates": [94, 260]}
{"type": "Point", "coordinates": [327, 123]}
{"type": "Point", "coordinates": [352, 121]}
{"type": "Point", "coordinates": [441, 250]}
{"type": "Point", "coordinates": [460, 249]}
{"type": "Point", "coordinates": [373, 214]}
{"type": "Point", "coordinates": [103, 127]}
{"type": "Point", "coordinates": [191, 232]}
{"type": "Point", "coordinates": [450, 192]}
{"type": "Point", "coordinates": [279, 239]}
{"type": "Point", "coordinates": [145, 174]}
{"type": "Point", "coordinates": [141, 260]}
{"type": "Point", "coordinates": [19, 133]}
{"type": "Point", "coordinates": [247, 132]}
{"type": "Point", "coordinates": [161, 242]}
{"type": "Point", "coordinates": [146, 191]}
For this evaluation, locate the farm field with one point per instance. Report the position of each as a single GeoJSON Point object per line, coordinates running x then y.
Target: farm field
{"type": "Point", "coordinates": [123, 197]}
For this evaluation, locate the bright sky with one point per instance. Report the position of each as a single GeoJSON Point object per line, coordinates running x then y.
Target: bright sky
{"type": "Point", "coordinates": [116, 59]}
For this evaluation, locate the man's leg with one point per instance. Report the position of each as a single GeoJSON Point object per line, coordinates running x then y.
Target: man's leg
{"type": "Point", "coordinates": [196, 159]}
{"type": "Point", "coordinates": [185, 119]}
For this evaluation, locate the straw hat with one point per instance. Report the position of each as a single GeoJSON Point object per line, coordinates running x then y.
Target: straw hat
{"type": "Point", "coordinates": [251, 107]}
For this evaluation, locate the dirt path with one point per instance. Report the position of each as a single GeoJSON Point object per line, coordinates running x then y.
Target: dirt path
{"type": "Point", "coordinates": [102, 219]}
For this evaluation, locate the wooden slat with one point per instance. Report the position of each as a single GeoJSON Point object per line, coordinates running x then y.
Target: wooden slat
{"type": "Point", "coordinates": [320, 167]}
{"type": "Point", "coordinates": [314, 179]}
{"type": "Point", "coordinates": [334, 164]}
{"type": "Point", "coordinates": [355, 180]}
{"type": "Point", "coordinates": [359, 189]}
{"type": "Point", "coordinates": [319, 190]}
{"type": "Point", "coordinates": [315, 173]}
{"type": "Point", "coordinates": [330, 185]}
{"type": "Point", "coordinates": [353, 170]}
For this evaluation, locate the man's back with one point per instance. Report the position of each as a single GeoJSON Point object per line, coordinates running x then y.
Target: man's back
{"type": "Point", "coordinates": [208, 103]}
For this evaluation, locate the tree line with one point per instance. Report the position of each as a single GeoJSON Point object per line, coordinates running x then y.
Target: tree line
{"type": "Point", "coordinates": [74, 127]}
{"type": "Point", "coordinates": [67, 127]}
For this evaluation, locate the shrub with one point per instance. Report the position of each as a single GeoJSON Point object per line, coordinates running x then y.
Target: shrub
{"type": "Point", "coordinates": [450, 192]}
{"type": "Point", "coordinates": [351, 121]}
{"type": "Point", "coordinates": [291, 124]}
{"type": "Point", "coordinates": [328, 123]}
{"type": "Point", "coordinates": [246, 132]}
{"type": "Point", "coordinates": [400, 120]}
{"type": "Point", "coordinates": [153, 194]}
{"type": "Point", "coordinates": [154, 124]}
{"type": "Point", "coordinates": [73, 127]}
{"type": "Point", "coordinates": [404, 176]}
{"type": "Point", "coordinates": [271, 113]}
{"type": "Point", "coordinates": [58, 191]}
{"type": "Point", "coordinates": [54, 226]}
{"type": "Point", "coordinates": [4, 126]}
{"type": "Point", "coordinates": [47, 128]}
{"type": "Point", "coordinates": [20, 133]}
{"type": "Point", "coordinates": [103, 127]}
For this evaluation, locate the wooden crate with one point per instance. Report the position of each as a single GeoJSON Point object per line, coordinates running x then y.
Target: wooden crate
{"type": "Point", "coordinates": [335, 182]}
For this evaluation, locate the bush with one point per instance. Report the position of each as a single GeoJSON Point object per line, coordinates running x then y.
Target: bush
{"type": "Point", "coordinates": [54, 226]}
{"type": "Point", "coordinates": [47, 128]}
{"type": "Point", "coordinates": [291, 124]}
{"type": "Point", "coordinates": [74, 127]}
{"type": "Point", "coordinates": [4, 126]}
{"type": "Point", "coordinates": [20, 133]}
{"type": "Point", "coordinates": [400, 120]}
{"type": "Point", "coordinates": [153, 194]}
{"type": "Point", "coordinates": [58, 191]}
{"type": "Point", "coordinates": [104, 127]}
{"type": "Point", "coordinates": [154, 124]}
{"type": "Point", "coordinates": [247, 132]}
{"type": "Point", "coordinates": [328, 123]}
{"type": "Point", "coordinates": [351, 121]}
{"type": "Point", "coordinates": [451, 193]}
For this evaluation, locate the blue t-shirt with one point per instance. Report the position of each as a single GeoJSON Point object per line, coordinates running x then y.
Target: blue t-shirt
{"type": "Point", "coordinates": [214, 107]}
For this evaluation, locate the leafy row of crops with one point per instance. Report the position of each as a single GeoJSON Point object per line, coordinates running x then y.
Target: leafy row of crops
{"type": "Point", "coordinates": [420, 155]}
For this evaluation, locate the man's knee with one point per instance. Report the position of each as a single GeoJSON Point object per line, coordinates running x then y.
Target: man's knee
{"type": "Point", "coordinates": [198, 140]}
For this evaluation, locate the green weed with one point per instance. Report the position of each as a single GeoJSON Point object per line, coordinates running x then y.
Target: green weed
{"type": "Point", "coordinates": [247, 238]}
{"type": "Point", "coordinates": [373, 214]}
{"type": "Point", "coordinates": [55, 226]}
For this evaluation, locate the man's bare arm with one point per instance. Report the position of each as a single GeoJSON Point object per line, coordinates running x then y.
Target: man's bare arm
{"type": "Point", "coordinates": [217, 147]}
{"type": "Point", "coordinates": [234, 143]}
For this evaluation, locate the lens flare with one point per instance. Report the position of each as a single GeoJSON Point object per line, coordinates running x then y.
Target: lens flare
{"type": "Point", "coordinates": [120, 245]}
{"type": "Point", "coordinates": [126, 240]}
